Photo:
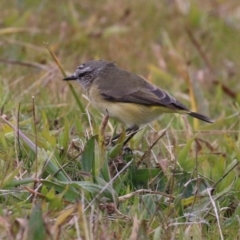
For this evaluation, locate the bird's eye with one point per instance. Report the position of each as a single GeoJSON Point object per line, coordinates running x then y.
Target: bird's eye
{"type": "Point", "coordinates": [83, 74]}
{"type": "Point", "coordinates": [83, 71]}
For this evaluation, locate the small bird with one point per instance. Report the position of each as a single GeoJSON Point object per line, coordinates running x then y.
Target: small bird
{"type": "Point", "coordinates": [126, 96]}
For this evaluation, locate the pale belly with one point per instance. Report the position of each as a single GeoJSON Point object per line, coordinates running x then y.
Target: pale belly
{"type": "Point", "coordinates": [129, 113]}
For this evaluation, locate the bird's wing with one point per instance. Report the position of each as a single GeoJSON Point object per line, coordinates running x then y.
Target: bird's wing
{"type": "Point", "coordinates": [146, 94]}
{"type": "Point", "coordinates": [130, 88]}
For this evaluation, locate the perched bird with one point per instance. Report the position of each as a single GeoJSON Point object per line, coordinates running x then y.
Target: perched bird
{"type": "Point", "coordinates": [125, 96]}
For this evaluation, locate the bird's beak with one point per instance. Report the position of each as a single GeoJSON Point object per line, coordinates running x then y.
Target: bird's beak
{"type": "Point", "coordinates": [73, 77]}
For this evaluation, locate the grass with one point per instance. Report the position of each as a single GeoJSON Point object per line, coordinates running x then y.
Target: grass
{"type": "Point", "coordinates": [177, 178]}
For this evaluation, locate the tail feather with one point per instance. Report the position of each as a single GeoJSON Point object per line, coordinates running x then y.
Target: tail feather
{"type": "Point", "coordinates": [201, 117]}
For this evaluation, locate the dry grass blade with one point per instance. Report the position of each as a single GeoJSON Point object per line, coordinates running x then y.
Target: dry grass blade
{"type": "Point", "coordinates": [25, 44]}
{"type": "Point", "coordinates": [228, 91]}
{"type": "Point", "coordinates": [25, 63]}
{"type": "Point", "coordinates": [150, 148]}
{"type": "Point", "coordinates": [64, 217]}
{"type": "Point", "coordinates": [69, 84]}
{"type": "Point", "coordinates": [216, 213]}
{"type": "Point", "coordinates": [56, 59]}
{"type": "Point", "coordinates": [101, 135]}
{"type": "Point", "coordinates": [135, 228]}
{"type": "Point", "coordinates": [199, 49]}
{"type": "Point", "coordinates": [225, 174]}
{"type": "Point", "coordinates": [40, 83]}
{"type": "Point", "coordinates": [12, 30]}
{"type": "Point", "coordinates": [143, 191]}
{"type": "Point", "coordinates": [21, 135]}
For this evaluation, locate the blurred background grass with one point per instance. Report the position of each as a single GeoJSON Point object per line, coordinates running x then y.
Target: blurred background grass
{"type": "Point", "coordinates": [182, 46]}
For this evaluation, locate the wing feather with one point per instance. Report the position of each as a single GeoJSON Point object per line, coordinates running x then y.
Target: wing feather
{"type": "Point", "coordinates": [149, 96]}
{"type": "Point", "coordinates": [134, 89]}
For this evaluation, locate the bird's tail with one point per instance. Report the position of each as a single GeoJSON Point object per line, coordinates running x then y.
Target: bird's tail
{"type": "Point", "coordinates": [201, 117]}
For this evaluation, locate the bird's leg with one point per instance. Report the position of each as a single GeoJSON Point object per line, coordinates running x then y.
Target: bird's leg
{"type": "Point", "coordinates": [134, 128]}
{"type": "Point", "coordinates": [129, 131]}
{"type": "Point", "coordinates": [132, 131]}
